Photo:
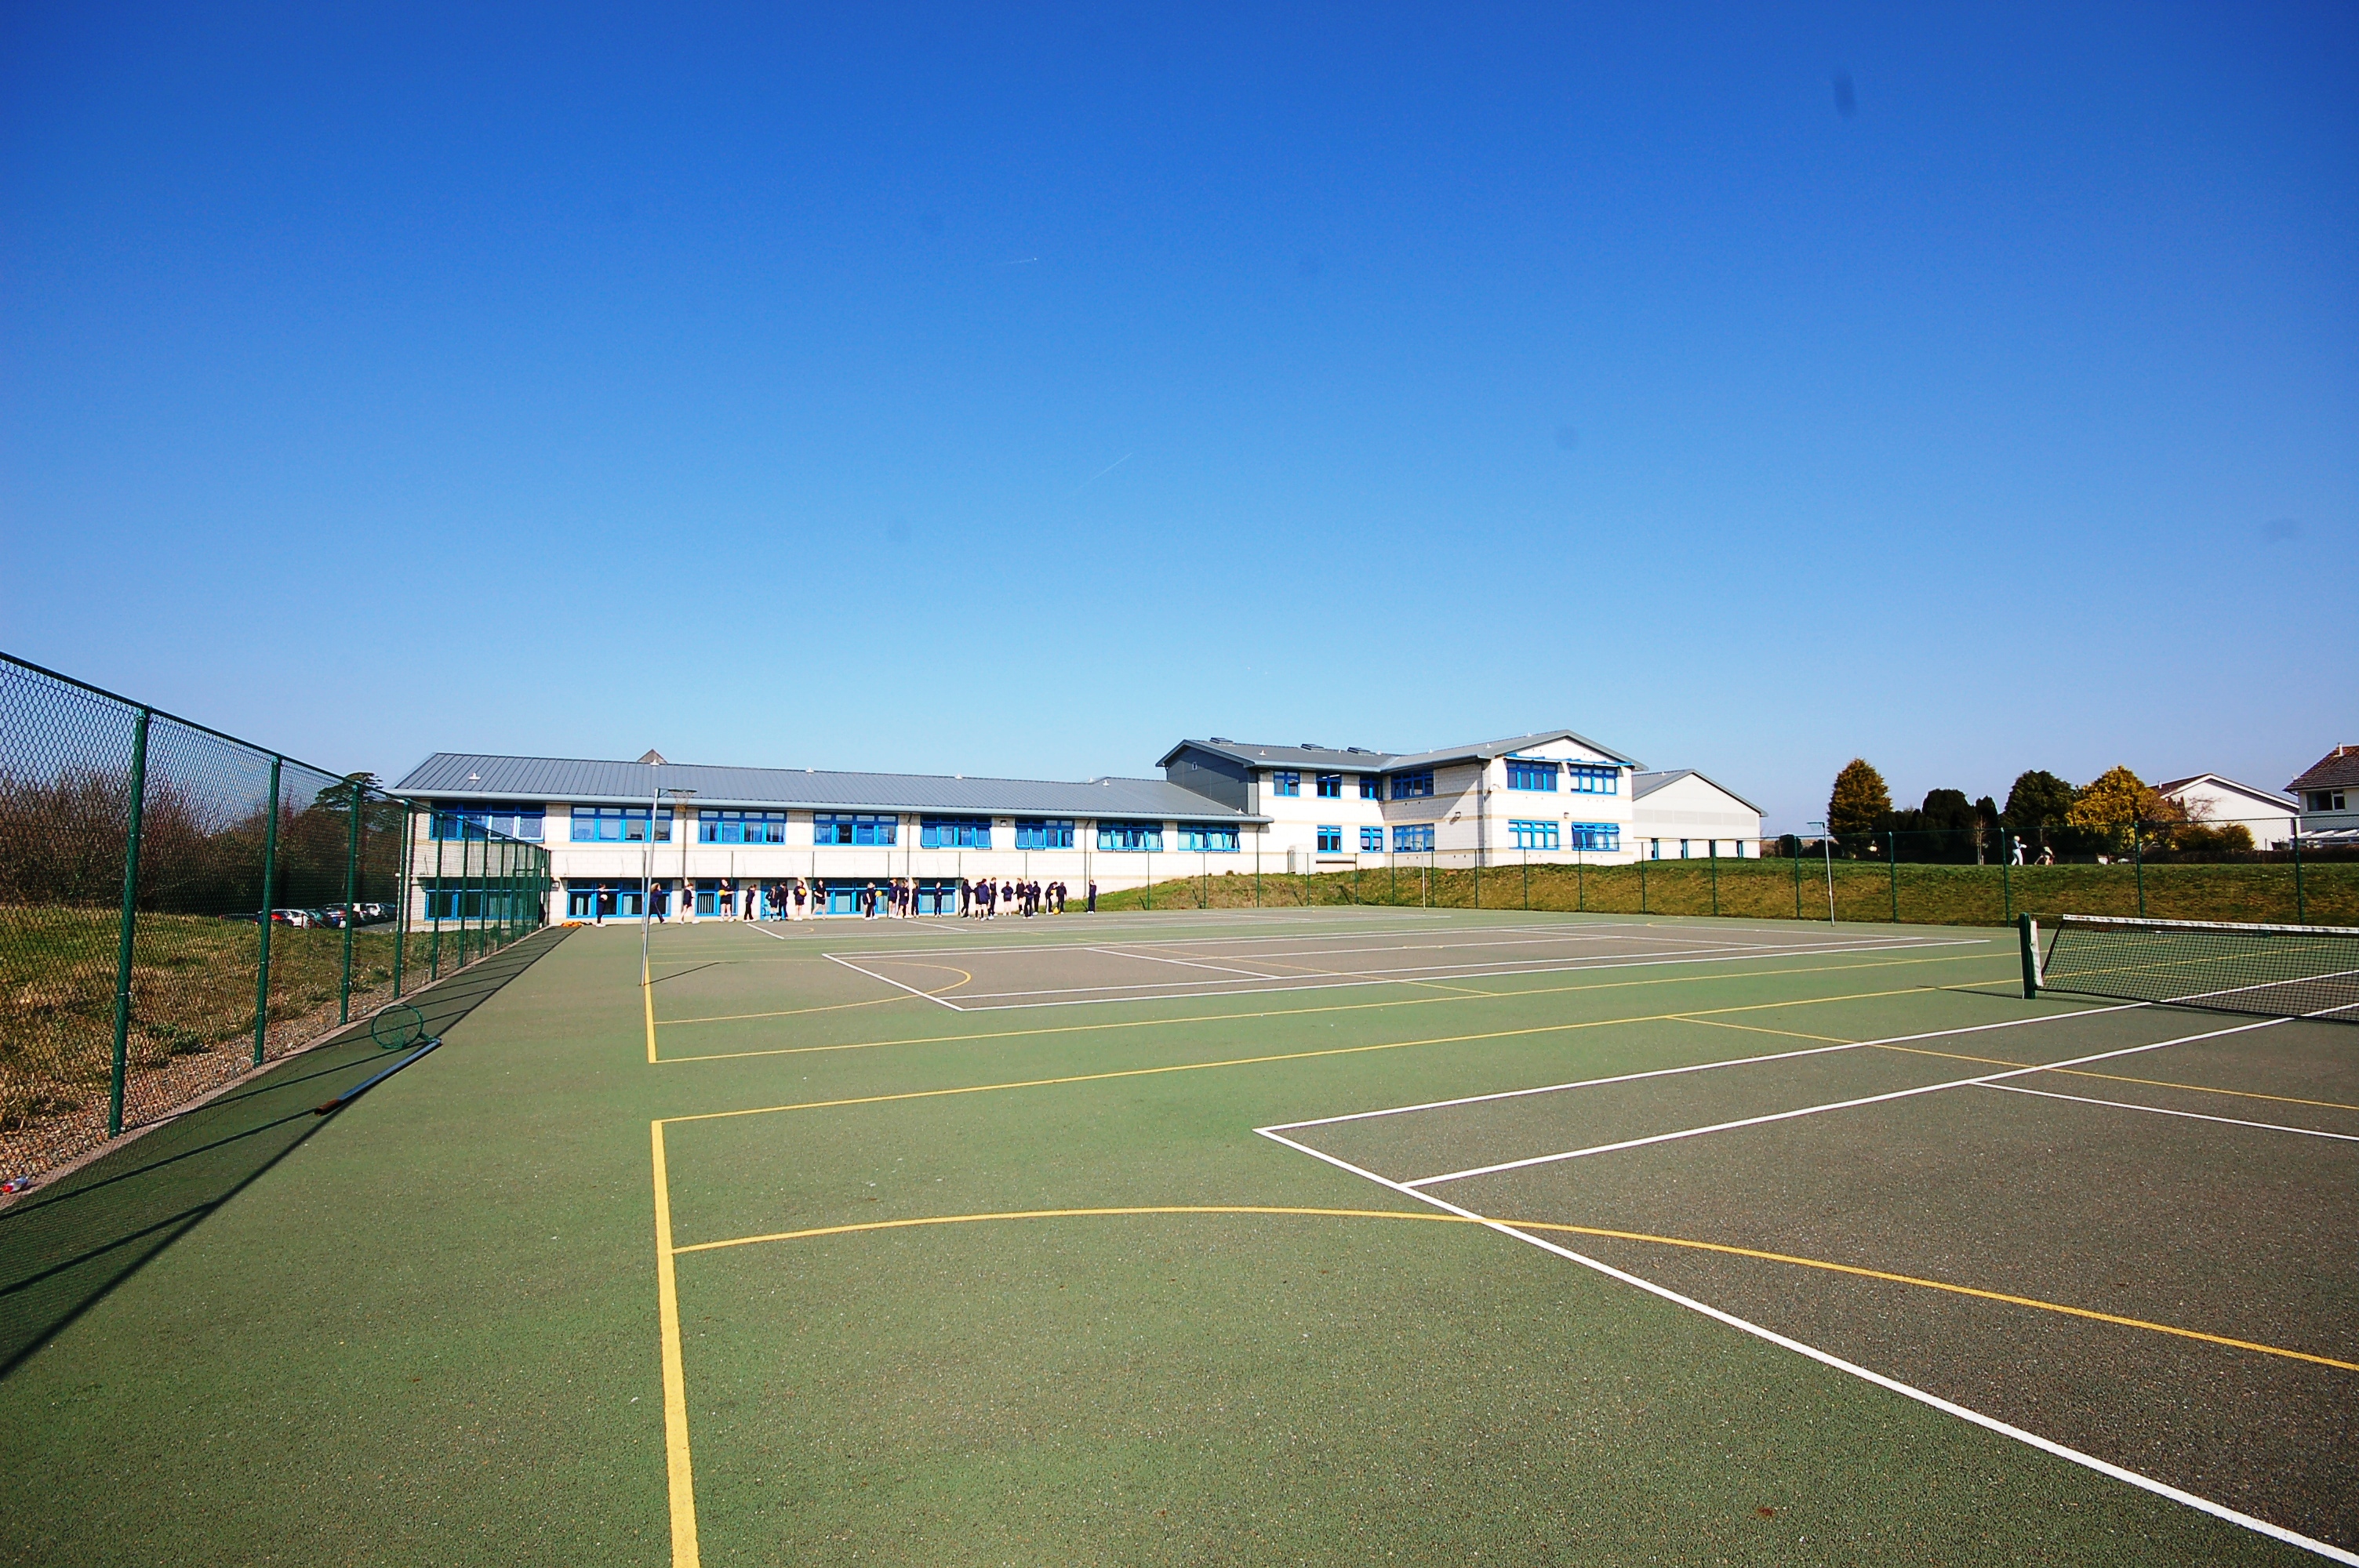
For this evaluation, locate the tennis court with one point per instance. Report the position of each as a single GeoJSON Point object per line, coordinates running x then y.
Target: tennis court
{"type": "Point", "coordinates": [1329, 1236]}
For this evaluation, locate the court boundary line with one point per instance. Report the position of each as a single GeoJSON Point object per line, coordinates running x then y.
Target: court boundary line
{"type": "Point", "coordinates": [1699, 1067]}
{"type": "Point", "coordinates": [1828, 1359]}
{"type": "Point", "coordinates": [679, 1472]}
{"type": "Point", "coordinates": [894, 983]}
{"type": "Point", "coordinates": [1977, 1081]}
{"type": "Point", "coordinates": [1965, 989]}
{"type": "Point", "coordinates": [2166, 1110]}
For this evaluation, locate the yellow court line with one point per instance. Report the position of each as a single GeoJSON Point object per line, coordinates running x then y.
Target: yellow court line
{"type": "Point", "coordinates": [648, 995]}
{"type": "Point", "coordinates": [1880, 1274]}
{"type": "Point", "coordinates": [679, 1475]}
{"type": "Point", "coordinates": [1284, 1056]}
{"type": "Point", "coordinates": [1757, 1029]}
{"type": "Point", "coordinates": [1942, 1285]}
{"type": "Point", "coordinates": [789, 1012]}
{"type": "Point", "coordinates": [1340, 1006]}
{"type": "Point", "coordinates": [2120, 1078]}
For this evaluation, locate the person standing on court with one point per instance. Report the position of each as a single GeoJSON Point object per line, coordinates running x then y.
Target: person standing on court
{"type": "Point", "coordinates": [1093, 895]}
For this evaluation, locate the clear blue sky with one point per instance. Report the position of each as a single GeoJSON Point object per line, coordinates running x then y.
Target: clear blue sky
{"type": "Point", "coordinates": [993, 390]}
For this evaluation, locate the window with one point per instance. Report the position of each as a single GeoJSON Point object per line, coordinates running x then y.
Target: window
{"type": "Point", "coordinates": [1330, 840]}
{"type": "Point", "coordinates": [1533, 835]}
{"type": "Point", "coordinates": [966, 833]}
{"type": "Point", "coordinates": [863, 830]}
{"type": "Point", "coordinates": [1591, 780]}
{"type": "Point", "coordinates": [1372, 839]}
{"type": "Point", "coordinates": [741, 826]}
{"type": "Point", "coordinates": [1412, 787]}
{"type": "Point", "coordinates": [1131, 837]}
{"type": "Point", "coordinates": [1604, 836]}
{"type": "Point", "coordinates": [1330, 786]}
{"type": "Point", "coordinates": [1284, 784]}
{"type": "Point", "coordinates": [1210, 839]}
{"type": "Point", "coordinates": [1044, 833]}
{"type": "Point", "coordinates": [1407, 839]}
{"type": "Point", "coordinates": [1371, 787]}
{"type": "Point", "coordinates": [459, 820]}
{"type": "Point", "coordinates": [617, 825]}
{"type": "Point", "coordinates": [1524, 774]}
{"type": "Point", "coordinates": [2326, 800]}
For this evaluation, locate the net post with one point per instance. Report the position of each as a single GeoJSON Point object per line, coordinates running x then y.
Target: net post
{"type": "Point", "coordinates": [262, 949]}
{"type": "Point", "coordinates": [2027, 932]}
{"type": "Point", "coordinates": [127, 930]}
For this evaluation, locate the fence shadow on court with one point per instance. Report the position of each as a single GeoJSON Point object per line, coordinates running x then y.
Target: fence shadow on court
{"type": "Point", "coordinates": [65, 1246]}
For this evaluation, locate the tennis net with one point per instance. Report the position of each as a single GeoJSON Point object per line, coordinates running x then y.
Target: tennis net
{"type": "Point", "coordinates": [2277, 972]}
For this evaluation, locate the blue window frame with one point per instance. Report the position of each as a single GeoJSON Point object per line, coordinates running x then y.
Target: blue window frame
{"type": "Point", "coordinates": [958, 833]}
{"type": "Point", "coordinates": [1592, 780]}
{"type": "Point", "coordinates": [1372, 840]}
{"type": "Point", "coordinates": [1412, 837]}
{"type": "Point", "coordinates": [1596, 836]}
{"type": "Point", "coordinates": [458, 819]}
{"type": "Point", "coordinates": [1044, 832]}
{"type": "Point", "coordinates": [1371, 787]}
{"type": "Point", "coordinates": [1523, 773]}
{"type": "Point", "coordinates": [834, 828]}
{"type": "Point", "coordinates": [1330, 839]}
{"type": "Point", "coordinates": [1286, 784]}
{"type": "Point", "coordinates": [1330, 786]}
{"type": "Point", "coordinates": [1208, 839]}
{"type": "Point", "coordinates": [1413, 786]}
{"type": "Point", "coordinates": [741, 826]}
{"type": "Point", "coordinates": [586, 897]}
{"type": "Point", "coordinates": [1533, 835]}
{"type": "Point", "coordinates": [617, 825]}
{"type": "Point", "coordinates": [1131, 837]}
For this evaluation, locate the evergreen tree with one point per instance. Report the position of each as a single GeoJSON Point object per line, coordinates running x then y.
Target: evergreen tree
{"type": "Point", "coordinates": [2039, 799]}
{"type": "Point", "coordinates": [1860, 804]}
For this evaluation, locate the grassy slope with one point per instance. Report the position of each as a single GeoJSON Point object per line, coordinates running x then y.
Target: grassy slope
{"type": "Point", "coordinates": [1926, 895]}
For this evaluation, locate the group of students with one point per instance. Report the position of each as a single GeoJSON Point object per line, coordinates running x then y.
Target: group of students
{"type": "Point", "coordinates": [894, 899]}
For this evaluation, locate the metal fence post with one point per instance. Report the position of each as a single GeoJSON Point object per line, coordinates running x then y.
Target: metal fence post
{"type": "Point", "coordinates": [130, 924]}
{"type": "Point", "coordinates": [401, 893]}
{"type": "Point", "coordinates": [1527, 876]}
{"type": "Point", "coordinates": [1892, 870]}
{"type": "Point", "coordinates": [2006, 881]}
{"type": "Point", "coordinates": [1797, 876]}
{"type": "Point", "coordinates": [352, 871]}
{"type": "Point", "coordinates": [1579, 881]}
{"type": "Point", "coordinates": [2138, 858]}
{"type": "Point", "coordinates": [262, 953]}
{"type": "Point", "coordinates": [1642, 884]}
{"type": "Point", "coordinates": [1712, 852]}
{"type": "Point", "coordinates": [1478, 876]}
{"type": "Point", "coordinates": [433, 918]}
{"type": "Point", "coordinates": [2301, 914]}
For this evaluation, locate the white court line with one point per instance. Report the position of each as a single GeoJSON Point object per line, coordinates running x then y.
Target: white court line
{"type": "Point", "coordinates": [771, 934]}
{"type": "Point", "coordinates": [1988, 1423]}
{"type": "Point", "coordinates": [890, 981]}
{"type": "Point", "coordinates": [1833, 1105]}
{"type": "Point", "coordinates": [1158, 958]}
{"type": "Point", "coordinates": [1095, 995]}
{"type": "Point", "coordinates": [2189, 1115]}
{"type": "Point", "coordinates": [1704, 1066]}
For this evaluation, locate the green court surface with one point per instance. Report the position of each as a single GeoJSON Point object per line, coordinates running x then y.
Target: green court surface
{"type": "Point", "coordinates": [1304, 1236]}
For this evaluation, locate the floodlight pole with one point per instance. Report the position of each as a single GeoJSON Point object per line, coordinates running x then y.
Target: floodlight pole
{"type": "Point", "coordinates": [1826, 844]}
{"type": "Point", "coordinates": [648, 870]}
{"type": "Point", "coordinates": [687, 896]}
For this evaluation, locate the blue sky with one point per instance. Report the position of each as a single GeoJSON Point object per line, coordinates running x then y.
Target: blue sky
{"type": "Point", "coordinates": [1014, 391]}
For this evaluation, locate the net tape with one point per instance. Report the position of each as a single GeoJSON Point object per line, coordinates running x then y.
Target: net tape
{"type": "Point", "coordinates": [2273, 972]}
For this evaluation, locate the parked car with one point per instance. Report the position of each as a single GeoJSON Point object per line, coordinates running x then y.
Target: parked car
{"type": "Point", "coordinates": [298, 917]}
{"type": "Point", "coordinates": [250, 916]}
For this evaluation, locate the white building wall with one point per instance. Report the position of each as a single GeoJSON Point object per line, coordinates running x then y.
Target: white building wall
{"type": "Point", "coordinates": [1697, 813]}
{"type": "Point", "coordinates": [2216, 800]}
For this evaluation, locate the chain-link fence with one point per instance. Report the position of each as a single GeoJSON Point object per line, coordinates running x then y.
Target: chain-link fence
{"type": "Point", "coordinates": [2260, 871]}
{"type": "Point", "coordinates": [177, 906]}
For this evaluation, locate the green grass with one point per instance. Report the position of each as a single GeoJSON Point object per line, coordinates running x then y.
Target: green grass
{"type": "Point", "coordinates": [429, 1333]}
{"type": "Point", "coordinates": [1863, 891]}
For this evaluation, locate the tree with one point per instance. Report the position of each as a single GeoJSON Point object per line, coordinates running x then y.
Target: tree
{"type": "Point", "coordinates": [2116, 798]}
{"type": "Point", "coordinates": [1947, 819]}
{"type": "Point", "coordinates": [1860, 804]}
{"type": "Point", "coordinates": [2038, 799]}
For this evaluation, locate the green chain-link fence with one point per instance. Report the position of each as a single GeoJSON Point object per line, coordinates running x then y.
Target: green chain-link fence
{"type": "Point", "coordinates": [177, 906]}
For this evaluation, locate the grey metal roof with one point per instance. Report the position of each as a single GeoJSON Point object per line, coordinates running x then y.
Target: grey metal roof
{"type": "Point", "coordinates": [1360, 759]}
{"type": "Point", "coordinates": [1645, 785]}
{"type": "Point", "coordinates": [474, 776]}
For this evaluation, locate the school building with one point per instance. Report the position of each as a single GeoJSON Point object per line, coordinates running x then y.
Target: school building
{"type": "Point", "coordinates": [616, 830]}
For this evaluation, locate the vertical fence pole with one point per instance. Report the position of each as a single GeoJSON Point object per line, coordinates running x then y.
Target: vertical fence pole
{"type": "Point", "coordinates": [1712, 847]}
{"type": "Point", "coordinates": [262, 951]}
{"type": "Point", "coordinates": [1797, 876]}
{"type": "Point", "coordinates": [1580, 881]}
{"type": "Point", "coordinates": [1478, 876]}
{"type": "Point", "coordinates": [434, 825]}
{"type": "Point", "coordinates": [2005, 879]}
{"type": "Point", "coordinates": [351, 873]}
{"type": "Point", "coordinates": [401, 893]}
{"type": "Point", "coordinates": [1892, 870]}
{"type": "Point", "coordinates": [2301, 914]}
{"type": "Point", "coordinates": [130, 924]}
{"type": "Point", "coordinates": [2138, 858]}
{"type": "Point", "coordinates": [1642, 882]}
{"type": "Point", "coordinates": [1527, 876]}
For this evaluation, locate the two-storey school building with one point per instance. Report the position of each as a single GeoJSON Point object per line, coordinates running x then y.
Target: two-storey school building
{"type": "Point", "coordinates": [617, 830]}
